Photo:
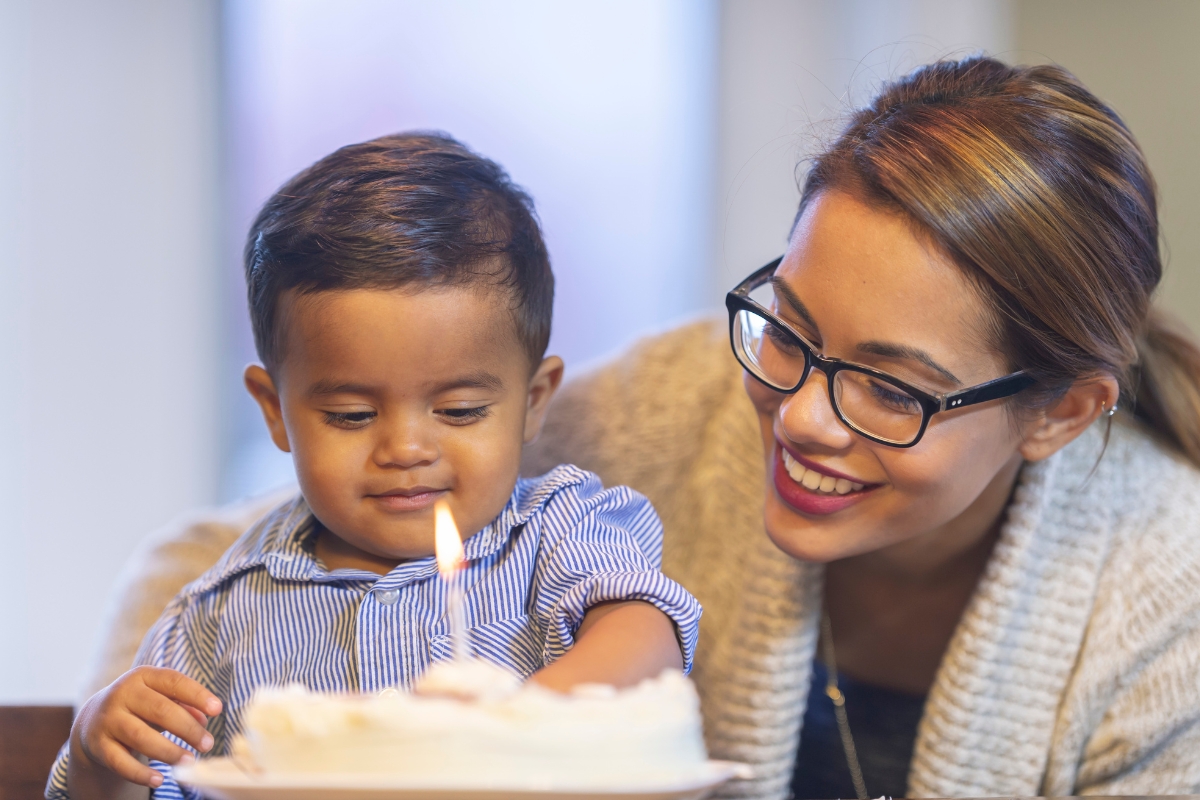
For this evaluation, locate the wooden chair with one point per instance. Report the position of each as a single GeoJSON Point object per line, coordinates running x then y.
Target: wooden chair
{"type": "Point", "coordinates": [29, 740]}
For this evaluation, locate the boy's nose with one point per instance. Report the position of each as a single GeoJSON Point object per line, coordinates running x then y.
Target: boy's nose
{"type": "Point", "coordinates": [405, 446]}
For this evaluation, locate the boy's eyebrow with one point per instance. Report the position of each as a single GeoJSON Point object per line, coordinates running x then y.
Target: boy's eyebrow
{"type": "Point", "coordinates": [474, 380]}
{"type": "Point", "coordinates": [330, 387]}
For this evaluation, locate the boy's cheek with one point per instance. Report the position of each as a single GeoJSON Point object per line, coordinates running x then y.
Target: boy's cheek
{"type": "Point", "coordinates": [326, 466]}
{"type": "Point", "coordinates": [485, 472]}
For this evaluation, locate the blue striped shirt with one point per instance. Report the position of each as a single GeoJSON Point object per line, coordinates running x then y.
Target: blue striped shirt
{"type": "Point", "coordinates": [268, 613]}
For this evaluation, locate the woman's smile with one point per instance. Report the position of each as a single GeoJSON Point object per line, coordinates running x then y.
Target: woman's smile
{"type": "Point", "coordinates": [818, 477]}
{"type": "Point", "coordinates": [811, 489]}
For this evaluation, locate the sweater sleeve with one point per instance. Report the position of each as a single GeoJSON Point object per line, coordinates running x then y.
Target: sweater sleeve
{"type": "Point", "coordinates": [1148, 742]}
{"type": "Point", "coordinates": [1142, 657]}
{"type": "Point", "coordinates": [639, 419]}
{"type": "Point", "coordinates": [670, 418]}
{"type": "Point", "coordinates": [1138, 711]}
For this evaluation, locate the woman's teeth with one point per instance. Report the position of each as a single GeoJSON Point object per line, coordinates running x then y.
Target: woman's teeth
{"type": "Point", "coordinates": [816, 482]}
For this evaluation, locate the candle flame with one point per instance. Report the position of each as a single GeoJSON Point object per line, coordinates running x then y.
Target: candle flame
{"type": "Point", "coordinates": [446, 541]}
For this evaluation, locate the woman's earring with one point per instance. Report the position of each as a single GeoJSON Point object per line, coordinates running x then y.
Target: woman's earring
{"type": "Point", "coordinates": [1104, 409]}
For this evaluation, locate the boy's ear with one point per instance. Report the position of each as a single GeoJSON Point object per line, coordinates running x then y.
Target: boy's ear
{"type": "Point", "coordinates": [262, 389]}
{"type": "Point", "coordinates": [1057, 427]}
{"type": "Point", "coordinates": [542, 387]}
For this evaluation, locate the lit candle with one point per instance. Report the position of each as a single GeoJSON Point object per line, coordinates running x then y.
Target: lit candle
{"type": "Point", "coordinates": [449, 549]}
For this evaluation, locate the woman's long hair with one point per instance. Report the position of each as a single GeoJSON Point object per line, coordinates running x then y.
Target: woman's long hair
{"type": "Point", "coordinates": [1040, 193]}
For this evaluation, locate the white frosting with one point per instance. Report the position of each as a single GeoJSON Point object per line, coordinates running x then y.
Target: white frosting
{"type": "Point", "coordinates": [473, 725]}
{"type": "Point", "coordinates": [472, 679]}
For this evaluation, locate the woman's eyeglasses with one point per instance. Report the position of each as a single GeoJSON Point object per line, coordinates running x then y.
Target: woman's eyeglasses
{"type": "Point", "coordinates": [879, 406]}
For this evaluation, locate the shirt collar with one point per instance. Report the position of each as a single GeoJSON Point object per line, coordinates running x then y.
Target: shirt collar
{"type": "Point", "coordinates": [278, 542]}
{"type": "Point", "coordinates": [281, 541]}
{"type": "Point", "coordinates": [529, 496]}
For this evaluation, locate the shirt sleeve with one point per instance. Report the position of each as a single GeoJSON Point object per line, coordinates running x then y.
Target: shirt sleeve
{"type": "Point", "coordinates": [168, 644]}
{"type": "Point", "coordinates": [1148, 738]}
{"type": "Point", "coordinates": [600, 545]}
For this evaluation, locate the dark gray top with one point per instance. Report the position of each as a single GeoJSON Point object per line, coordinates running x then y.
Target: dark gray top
{"type": "Point", "coordinates": [884, 725]}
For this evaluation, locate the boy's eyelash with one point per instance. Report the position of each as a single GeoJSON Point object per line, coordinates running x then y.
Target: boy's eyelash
{"type": "Point", "coordinates": [357, 419]}
{"type": "Point", "coordinates": [349, 419]}
{"type": "Point", "coordinates": [465, 414]}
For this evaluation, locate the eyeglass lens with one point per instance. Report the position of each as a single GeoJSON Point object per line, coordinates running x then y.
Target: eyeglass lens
{"type": "Point", "coordinates": [874, 406]}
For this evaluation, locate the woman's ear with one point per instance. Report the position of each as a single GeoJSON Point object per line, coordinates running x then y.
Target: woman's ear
{"type": "Point", "coordinates": [262, 389]}
{"type": "Point", "coordinates": [542, 387]}
{"type": "Point", "coordinates": [1057, 427]}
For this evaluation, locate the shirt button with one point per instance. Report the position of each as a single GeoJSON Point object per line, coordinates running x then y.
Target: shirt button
{"type": "Point", "coordinates": [388, 597]}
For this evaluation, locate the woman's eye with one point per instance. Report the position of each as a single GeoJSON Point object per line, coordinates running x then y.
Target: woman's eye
{"type": "Point", "coordinates": [349, 419]}
{"type": "Point", "coordinates": [464, 415]}
{"type": "Point", "coordinates": [893, 398]}
{"type": "Point", "coordinates": [782, 340]}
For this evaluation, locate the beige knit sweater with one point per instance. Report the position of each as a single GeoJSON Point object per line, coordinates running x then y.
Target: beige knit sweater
{"type": "Point", "coordinates": [1075, 669]}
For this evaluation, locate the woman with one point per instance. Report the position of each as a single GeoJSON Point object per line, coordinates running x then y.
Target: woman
{"type": "Point", "coordinates": [1013, 575]}
{"type": "Point", "coordinates": [1005, 572]}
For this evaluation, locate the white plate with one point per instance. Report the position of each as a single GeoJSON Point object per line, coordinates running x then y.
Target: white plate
{"type": "Point", "coordinates": [221, 779]}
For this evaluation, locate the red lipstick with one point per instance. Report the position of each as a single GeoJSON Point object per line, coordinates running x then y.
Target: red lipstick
{"type": "Point", "coordinates": [810, 502]}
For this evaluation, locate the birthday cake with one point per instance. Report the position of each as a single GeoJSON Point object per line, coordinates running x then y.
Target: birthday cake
{"type": "Point", "coordinates": [474, 724]}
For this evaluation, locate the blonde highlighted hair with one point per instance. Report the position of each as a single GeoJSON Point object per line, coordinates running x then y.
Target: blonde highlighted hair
{"type": "Point", "coordinates": [1040, 193]}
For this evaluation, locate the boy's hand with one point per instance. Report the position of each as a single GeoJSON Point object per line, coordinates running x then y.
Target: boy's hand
{"type": "Point", "coordinates": [128, 718]}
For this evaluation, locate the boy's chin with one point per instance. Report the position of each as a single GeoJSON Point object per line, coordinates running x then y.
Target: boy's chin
{"type": "Point", "coordinates": [376, 550]}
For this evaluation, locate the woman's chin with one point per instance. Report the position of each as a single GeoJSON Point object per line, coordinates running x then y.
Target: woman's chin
{"type": "Point", "coordinates": [814, 540]}
{"type": "Point", "coordinates": [819, 527]}
{"type": "Point", "coordinates": [797, 536]}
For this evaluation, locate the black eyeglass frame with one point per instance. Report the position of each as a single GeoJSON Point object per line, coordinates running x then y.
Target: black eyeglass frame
{"type": "Point", "coordinates": [996, 389]}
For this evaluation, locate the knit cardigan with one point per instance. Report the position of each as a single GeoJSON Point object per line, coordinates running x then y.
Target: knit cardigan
{"type": "Point", "coordinates": [1074, 670]}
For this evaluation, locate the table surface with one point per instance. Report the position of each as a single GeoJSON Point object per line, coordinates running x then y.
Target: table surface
{"type": "Point", "coordinates": [29, 740]}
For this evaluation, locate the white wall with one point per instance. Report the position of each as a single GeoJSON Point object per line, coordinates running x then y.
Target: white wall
{"type": "Point", "coordinates": [658, 138]}
{"type": "Point", "coordinates": [786, 66]}
{"type": "Point", "coordinates": [789, 67]}
{"type": "Point", "coordinates": [1142, 59]}
{"type": "Point", "coordinates": [603, 110]}
{"type": "Point", "coordinates": [108, 331]}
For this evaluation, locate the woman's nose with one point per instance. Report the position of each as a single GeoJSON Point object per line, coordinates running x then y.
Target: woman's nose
{"type": "Point", "coordinates": [807, 417]}
{"type": "Point", "coordinates": [405, 444]}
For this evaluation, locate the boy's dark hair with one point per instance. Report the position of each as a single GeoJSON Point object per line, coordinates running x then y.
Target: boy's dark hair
{"type": "Point", "coordinates": [407, 209]}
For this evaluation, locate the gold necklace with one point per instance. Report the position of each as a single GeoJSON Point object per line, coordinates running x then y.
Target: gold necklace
{"type": "Point", "coordinates": [839, 707]}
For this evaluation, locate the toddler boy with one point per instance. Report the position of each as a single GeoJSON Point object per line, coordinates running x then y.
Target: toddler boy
{"type": "Point", "coordinates": [401, 294]}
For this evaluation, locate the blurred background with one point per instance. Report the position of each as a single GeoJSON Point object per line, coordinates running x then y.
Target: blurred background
{"type": "Point", "coordinates": [661, 140]}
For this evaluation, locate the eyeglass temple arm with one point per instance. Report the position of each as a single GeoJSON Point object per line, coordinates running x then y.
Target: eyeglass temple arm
{"type": "Point", "coordinates": [1006, 386]}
